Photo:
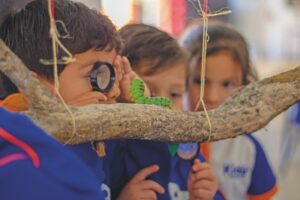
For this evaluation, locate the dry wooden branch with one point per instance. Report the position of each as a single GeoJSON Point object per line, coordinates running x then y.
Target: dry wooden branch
{"type": "Point", "coordinates": [247, 110]}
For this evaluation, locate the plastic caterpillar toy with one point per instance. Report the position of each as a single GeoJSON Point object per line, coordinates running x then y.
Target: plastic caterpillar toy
{"type": "Point", "coordinates": [137, 90]}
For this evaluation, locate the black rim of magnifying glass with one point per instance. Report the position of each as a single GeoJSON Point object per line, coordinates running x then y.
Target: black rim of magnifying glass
{"type": "Point", "coordinates": [93, 77]}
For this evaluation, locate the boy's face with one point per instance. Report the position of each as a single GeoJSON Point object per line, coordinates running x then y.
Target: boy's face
{"type": "Point", "coordinates": [170, 82]}
{"type": "Point", "coordinates": [222, 76]}
{"type": "Point", "coordinates": [74, 80]}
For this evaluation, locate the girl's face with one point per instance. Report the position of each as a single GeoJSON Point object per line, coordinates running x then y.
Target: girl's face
{"type": "Point", "coordinates": [223, 75]}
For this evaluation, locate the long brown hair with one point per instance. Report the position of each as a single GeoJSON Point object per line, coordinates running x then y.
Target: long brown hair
{"type": "Point", "coordinates": [221, 37]}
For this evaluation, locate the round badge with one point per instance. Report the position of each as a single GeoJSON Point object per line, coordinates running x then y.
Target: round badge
{"type": "Point", "coordinates": [188, 151]}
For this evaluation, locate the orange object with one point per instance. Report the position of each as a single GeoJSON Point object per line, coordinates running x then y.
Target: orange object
{"type": "Point", "coordinates": [205, 150]}
{"type": "Point", "coordinates": [264, 196]}
{"type": "Point", "coordinates": [15, 102]}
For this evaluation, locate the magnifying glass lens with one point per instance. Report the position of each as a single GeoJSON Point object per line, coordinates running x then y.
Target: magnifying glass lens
{"type": "Point", "coordinates": [103, 77]}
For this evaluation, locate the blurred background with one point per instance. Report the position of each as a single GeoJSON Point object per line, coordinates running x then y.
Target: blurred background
{"type": "Point", "coordinates": [272, 29]}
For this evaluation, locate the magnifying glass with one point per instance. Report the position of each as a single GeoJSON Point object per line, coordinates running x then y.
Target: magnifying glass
{"type": "Point", "coordinates": [102, 77]}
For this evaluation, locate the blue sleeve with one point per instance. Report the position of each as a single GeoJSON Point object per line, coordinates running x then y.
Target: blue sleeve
{"type": "Point", "coordinates": [46, 171]}
{"type": "Point", "coordinates": [296, 112]}
{"type": "Point", "coordinates": [20, 180]}
{"type": "Point", "coordinates": [263, 179]}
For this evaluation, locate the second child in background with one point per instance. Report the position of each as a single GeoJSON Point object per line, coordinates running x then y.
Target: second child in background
{"type": "Point", "coordinates": [240, 164]}
{"type": "Point", "coordinates": [150, 170]}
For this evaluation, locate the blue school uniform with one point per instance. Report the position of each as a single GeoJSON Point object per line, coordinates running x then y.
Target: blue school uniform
{"type": "Point", "coordinates": [93, 162]}
{"type": "Point", "coordinates": [113, 165]}
{"type": "Point", "coordinates": [103, 167]}
{"type": "Point", "coordinates": [173, 171]}
{"type": "Point", "coordinates": [35, 166]}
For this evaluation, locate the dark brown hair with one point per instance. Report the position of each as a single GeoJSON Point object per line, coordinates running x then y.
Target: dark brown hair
{"type": "Point", "coordinates": [143, 41]}
{"type": "Point", "coordinates": [27, 34]}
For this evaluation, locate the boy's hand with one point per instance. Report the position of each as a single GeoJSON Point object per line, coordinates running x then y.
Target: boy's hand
{"type": "Point", "coordinates": [126, 75]}
{"type": "Point", "coordinates": [88, 98]}
{"type": "Point", "coordinates": [202, 184]}
{"type": "Point", "coordinates": [141, 188]}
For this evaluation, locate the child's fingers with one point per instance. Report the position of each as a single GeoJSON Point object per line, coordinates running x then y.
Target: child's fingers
{"type": "Point", "coordinates": [142, 174]}
{"type": "Point", "coordinates": [202, 194]}
{"type": "Point", "coordinates": [152, 185]}
{"type": "Point", "coordinates": [198, 166]}
{"type": "Point", "coordinates": [117, 63]}
{"type": "Point", "coordinates": [204, 184]}
{"type": "Point", "coordinates": [149, 195]}
{"type": "Point", "coordinates": [204, 174]}
{"type": "Point", "coordinates": [127, 70]}
{"type": "Point", "coordinates": [191, 179]}
{"type": "Point", "coordinates": [126, 65]}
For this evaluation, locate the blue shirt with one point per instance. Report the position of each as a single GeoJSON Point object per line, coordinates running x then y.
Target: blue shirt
{"type": "Point", "coordinates": [173, 171]}
{"type": "Point", "coordinates": [35, 166]}
{"type": "Point", "coordinates": [107, 169]}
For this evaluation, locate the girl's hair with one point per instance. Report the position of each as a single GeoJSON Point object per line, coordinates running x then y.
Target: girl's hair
{"type": "Point", "coordinates": [27, 34]}
{"type": "Point", "coordinates": [143, 41]}
{"type": "Point", "coordinates": [221, 37]}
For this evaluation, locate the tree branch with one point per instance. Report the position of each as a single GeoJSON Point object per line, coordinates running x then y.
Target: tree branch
{"type": "Point", "coordinates": [248, 109]}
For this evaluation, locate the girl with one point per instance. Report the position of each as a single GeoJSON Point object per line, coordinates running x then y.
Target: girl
{"type": "Point", "coordinates": [240, 164]}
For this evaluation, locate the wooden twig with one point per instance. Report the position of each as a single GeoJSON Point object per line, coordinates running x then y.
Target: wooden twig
{"type": "Point", "coordinates": [248, 109]}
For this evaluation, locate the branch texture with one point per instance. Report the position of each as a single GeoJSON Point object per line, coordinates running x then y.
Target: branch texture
{"type": "Point", "coordinates": [247, 110]}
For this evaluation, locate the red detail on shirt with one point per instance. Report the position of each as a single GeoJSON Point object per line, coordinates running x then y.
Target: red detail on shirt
{"type": "Point", "coordinates": [11, 158]}
{"type": "Point", "coordinates": [12, 139]}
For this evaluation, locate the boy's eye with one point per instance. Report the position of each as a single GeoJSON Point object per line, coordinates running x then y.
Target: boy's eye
{"type": "Point", "coordinates": [197, 81]}
{"type": "Point", "coordinates": [228, 84]}
{"type": "Point", "coordinates": [176, 94]}
{"type": "Point", "coordinates": [102, 76]}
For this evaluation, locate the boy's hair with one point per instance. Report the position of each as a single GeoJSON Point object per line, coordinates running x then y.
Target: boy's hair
{"type": "Point", "coordinates": [221, 37]}
{"type": "Point", "coordinates": [27, 34]}
{"type": "Point", "coordinates": [145, 42]}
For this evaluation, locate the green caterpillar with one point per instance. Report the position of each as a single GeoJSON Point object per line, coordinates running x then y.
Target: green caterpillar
{"type": "Point", "coordinates": [137, 90]}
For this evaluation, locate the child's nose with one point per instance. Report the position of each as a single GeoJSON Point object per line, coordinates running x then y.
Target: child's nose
{"type": "Point", "coordinates": [212, 96]}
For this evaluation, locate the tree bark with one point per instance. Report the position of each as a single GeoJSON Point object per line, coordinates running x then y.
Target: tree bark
{"type": "Point", "coordinates": [247, 110]}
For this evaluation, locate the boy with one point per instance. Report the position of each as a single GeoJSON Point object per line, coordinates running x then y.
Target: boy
{"type": "Point", "coordinates": [93, 40]}
{"type": "Point", "coordinates": [149, 167]}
